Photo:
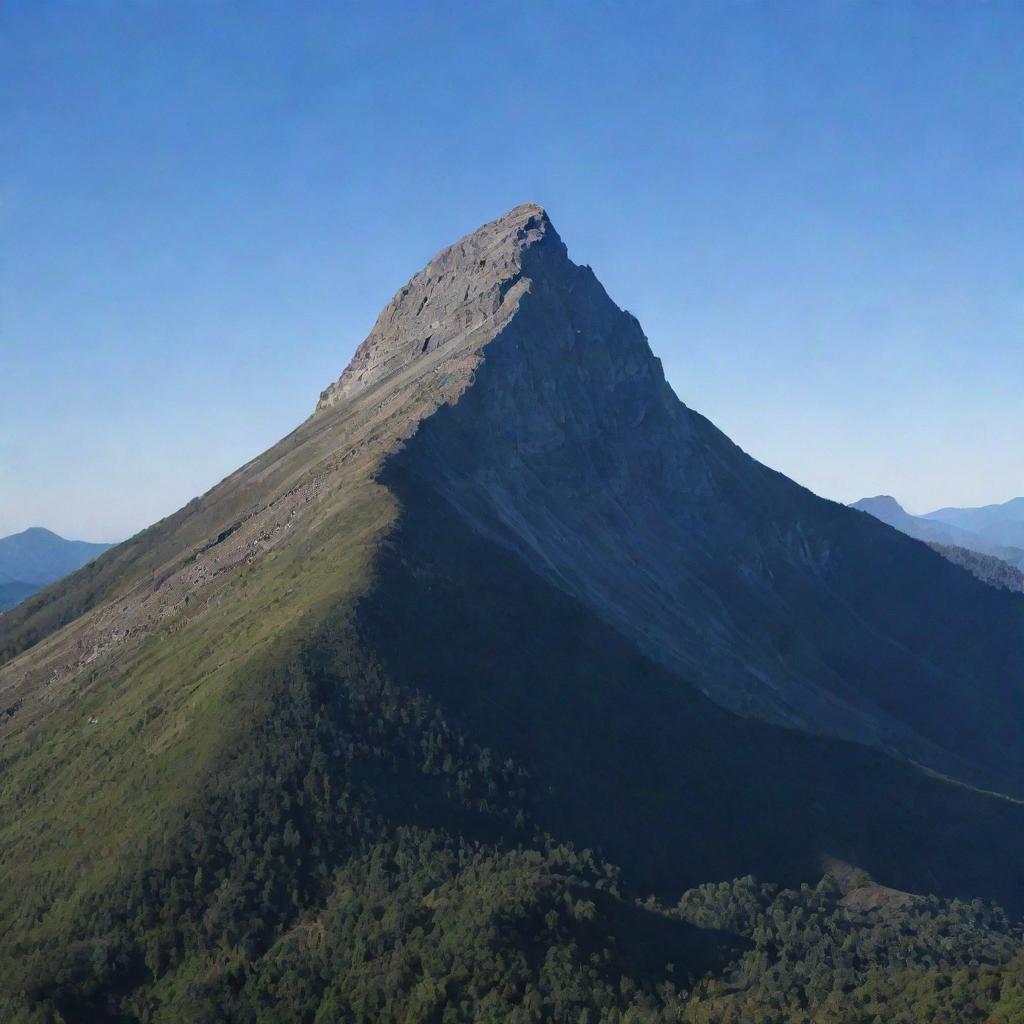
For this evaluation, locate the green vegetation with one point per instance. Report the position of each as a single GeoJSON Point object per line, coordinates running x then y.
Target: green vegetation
{"type": "Point", "coordinates": [870, 955]}
{"type": "Point", "coordinates": [308, 886]}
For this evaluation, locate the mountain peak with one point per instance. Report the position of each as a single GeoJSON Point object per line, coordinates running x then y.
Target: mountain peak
{"type": "Point", "coordinates": [523, 214]}
{"type": "Point", "coordinates": [880, 506]}
{"type": "Point", "coordinates": [38, 531]}
{"type": "Point", "coordinates": [466, 290]}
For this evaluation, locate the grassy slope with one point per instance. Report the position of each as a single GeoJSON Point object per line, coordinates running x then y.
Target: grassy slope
{"type": "Point", "coordinates": [80, 801]}
{"type": "Point", "coordinates": [167, 543]}
{"type": "Point", "coordinates": [132, 692]}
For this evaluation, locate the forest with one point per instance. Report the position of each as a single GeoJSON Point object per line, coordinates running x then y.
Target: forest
{"type": "Point", "coordinates": [365, 861]}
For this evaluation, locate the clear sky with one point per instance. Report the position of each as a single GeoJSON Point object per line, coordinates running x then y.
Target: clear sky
{"type": "Point", "coordinates": [814, 208]}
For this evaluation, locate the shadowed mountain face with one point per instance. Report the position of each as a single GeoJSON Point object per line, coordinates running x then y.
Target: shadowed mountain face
{"type": "Point", "coordinates": [36, 557]}
{"type": "Point", "coordinates": [633, 761]}
{"type": "Point", "coordinates": [502, 583]}
{"type": "Point", "coordinates": [571, 450]}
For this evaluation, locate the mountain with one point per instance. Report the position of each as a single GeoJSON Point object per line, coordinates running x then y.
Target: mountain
{"type": "Point", "coordinates": [433, 710]}
{"type": "Point", "coordinates": [997, 524]}
{"type": "Point", "coordinates": [34, 558]}
{"type": "Point", "coordinates": [14, 593]}
{"type": "Point", "coordinates": [933, 529]}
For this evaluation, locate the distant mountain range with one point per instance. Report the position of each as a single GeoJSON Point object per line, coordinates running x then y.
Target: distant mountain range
{"type": "Point", "coordinates": [998, 524]}
{"type": "Point", "coordinates": [996, 530]}
{"type": "Point", "coordinates": [35, 558]}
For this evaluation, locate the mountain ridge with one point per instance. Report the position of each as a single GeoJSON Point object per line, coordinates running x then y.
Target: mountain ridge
{"type": "Point", "coordinates": [998, 524]}
{"type": "Point", "coordinates": [408, 334]}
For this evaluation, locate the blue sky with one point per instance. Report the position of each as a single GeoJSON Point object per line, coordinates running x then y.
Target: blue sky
{"type": "Point", "coordinates": [815, 209]}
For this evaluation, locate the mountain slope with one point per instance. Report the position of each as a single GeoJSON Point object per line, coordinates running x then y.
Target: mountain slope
{"type": "Point", "coordinates": [36, 557]}
{"type": "Point", "coordinates": [500, 599]}
{"type": "Point", "coordinates": [991, 570]}
{"type": "Point", "coordinates": [571, 450]}
{"type": "Point", "coordinates": [613, 739]}
{"type": "Point", "coordinates": [932, 529]}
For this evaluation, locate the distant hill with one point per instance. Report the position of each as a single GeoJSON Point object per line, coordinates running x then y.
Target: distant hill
{"type": "Point", "coordinates": [951, 532]}
{"type": "Point", "coordinates": [35, 558]}
{"type": "Point", "coordinates": [14, 593]}
{"type": "Point", "coordinates": [998, 524]}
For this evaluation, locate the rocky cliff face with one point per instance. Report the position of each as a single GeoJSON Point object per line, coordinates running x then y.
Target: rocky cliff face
{"type": "Point", "coordinates": [452, 307]}
{"type": "Point", "coordinates": [556, 434]}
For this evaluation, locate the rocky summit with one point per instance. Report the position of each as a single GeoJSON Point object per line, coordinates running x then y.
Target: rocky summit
{"type": "Point", "coordinates": [401, 719]}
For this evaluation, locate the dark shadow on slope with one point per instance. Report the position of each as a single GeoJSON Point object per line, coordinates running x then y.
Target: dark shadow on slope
{"type": "Point", "coordinates": [659, 948]}
{"type": "Point", "coordinates": [629, 759]}
{"type": "Point", "coordinates": [571, 451]}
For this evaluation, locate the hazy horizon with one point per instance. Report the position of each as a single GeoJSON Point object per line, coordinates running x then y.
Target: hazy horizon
{"type": "Point", "coordinates": [814, 213]}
